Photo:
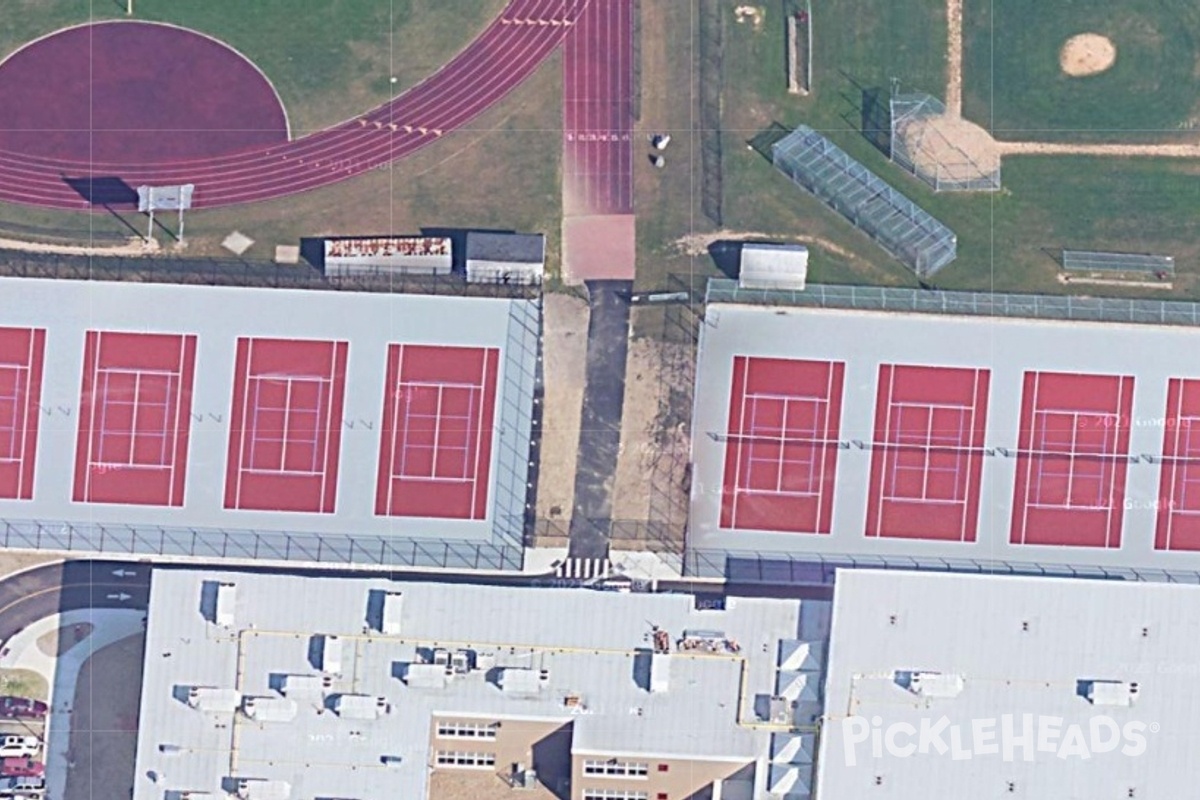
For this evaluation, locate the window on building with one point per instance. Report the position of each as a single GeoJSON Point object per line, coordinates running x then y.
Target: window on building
{"type": "Point", "coordinates": [466, 730]}
{"type": "Point", "coordinates": [613, 794]}
{"type": "Point", "coordinates": [615, 769]}
{"type": "Point", "coordinates": [451, 758]}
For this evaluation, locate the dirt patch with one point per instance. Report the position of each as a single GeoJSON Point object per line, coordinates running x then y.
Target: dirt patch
{"type": "Point", "coordinates": [697, 244]}
{"type": "Point", "coordinates": [58, 641]}
{"type": "Point", "coordinates": [1122, 150]}
{"type": "Point", "coordinates": [950, 148]}
{"type": "Point", "coordinates": [17, 560]}
{"type": "Point", "coordinates": [1087, 54]}
{"type": "Point", "coordinates": [564, 363]}
{"type": "Point", "coordinates": [954, 57]}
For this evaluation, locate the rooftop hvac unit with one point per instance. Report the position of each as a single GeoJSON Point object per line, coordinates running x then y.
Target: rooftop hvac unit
{"type": "Point", "coordinates": [660, 672]}
{"type": "Point", "coordinates": [331, 655]}
{"type": "Point", "coordinates": [441, 657]}
{"type": "Point", "coordinates": [269, 709]}
{"type": "Point", "coordinates": [1111, 693]}
{"type": "Point", "coordinates": [392, 606]}
{"type": "Point", "coordinates": [425, 676]}
{"type": "Point", "coordinates": [526, 779]}
{"type": "Point", "coordinates": [460, 661]}
{"type": "Point", "coordinates": [213, 700]}
{"type": "Point", "coordinates": [259, 789]}
{"type": "Point", "coordinates": [360, 706]}
{"type": "Point", "coordinates": [226, 600]}
{"type": "Point", "coordinates": [305, 685]}
{"type": "Point", "coordinates": [521, 681]}
{"type": "Point", "coordinates": [936, 684]}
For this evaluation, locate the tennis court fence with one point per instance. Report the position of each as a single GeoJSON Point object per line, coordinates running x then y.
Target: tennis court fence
{"type": "Point", "coordinates": [244, 273]}
{"type": "Point", "coordinates": [974, 304]}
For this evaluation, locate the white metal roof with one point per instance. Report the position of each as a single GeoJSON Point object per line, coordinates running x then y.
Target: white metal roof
{"type": "Point", "coordinates": [218, 316]}
{"type": "Point", "coordinates": [544, 630]}
{"type": "Point", "coordinates": [865, 340]}
{"type": "Point", "coordinates": [1023, 646]}
{"type": "Point", "coordinates": [773, 266]}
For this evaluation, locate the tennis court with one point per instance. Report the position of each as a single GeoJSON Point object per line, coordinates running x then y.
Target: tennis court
{"type": "Point", "coordinates": [436, 441]}
{"type": "Point", "coordinates": [782, 445]}
{"type": "Point", "coordinates": [286, 425]}
{"type": "Point", "coordinates": [134, 418]}
{"type": "Point", "coordinates": [1072, 458]}
{"type": "Point", "coordinates": [928, 452]}
{"type": "Point", "coordinates": [1178, 525]}
{"type": "Point", "coordinates": [21, 353]}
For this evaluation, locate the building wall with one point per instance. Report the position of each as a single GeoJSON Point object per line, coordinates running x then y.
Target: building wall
{"type": "Point", "coordinates": [666, 778]}
{"type": "Point", "coordinates": [544, 745]}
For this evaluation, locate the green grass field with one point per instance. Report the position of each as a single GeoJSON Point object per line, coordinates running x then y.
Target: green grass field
{"type": "Point", "coordinates": [329, 59]}
{"type": "Point", "coordinates": [466, 179]}
{"type": "Point", "coordinates": [1014, 85]}
{"type": "Point", "coordinates": [323, 71]}
{"type": "Point", "coordinates": [1007, 240]}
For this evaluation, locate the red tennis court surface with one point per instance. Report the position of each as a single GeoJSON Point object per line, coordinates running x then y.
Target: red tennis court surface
{"type": "Point", "coordinates": [436, 442]}
{"type": "Point", "coordinates": [781, 454]}
{"type": "Point", "coordinates": [1179, 491]}
{"type": "Point", "coordinates": [286, 425]}
{"type": "Point", "coordinates": [134, 417]}
{"type": "Point", "coordinates": [1072, 457]}
{"type": "Point", "coordinates": [928, 455]}
{"type": "Point", "coordinates": [21, 354]}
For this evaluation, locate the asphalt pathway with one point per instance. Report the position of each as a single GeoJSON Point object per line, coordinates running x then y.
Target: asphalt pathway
{"type": "Point", "coordinates": [67, 586]}
{"type": "Point", "coordinates": [600, 426]}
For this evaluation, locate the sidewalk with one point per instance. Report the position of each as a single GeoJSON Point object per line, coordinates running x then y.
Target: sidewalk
{"type": "Point", "coordinates": [22, 652]}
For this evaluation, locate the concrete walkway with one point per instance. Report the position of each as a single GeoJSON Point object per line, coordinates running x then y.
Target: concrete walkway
{"type": "Point", "coordinates": [22, 652]}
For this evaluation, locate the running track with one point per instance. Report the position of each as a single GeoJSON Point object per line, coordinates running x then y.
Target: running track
{"type": "Point", "coordinates": [495, 63]}
{"type": "Point", "coordinates": [598, 112]}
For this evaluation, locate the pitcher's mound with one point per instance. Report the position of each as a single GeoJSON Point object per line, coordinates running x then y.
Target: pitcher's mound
{"type": "Point", "coordinates": [1087, 54]}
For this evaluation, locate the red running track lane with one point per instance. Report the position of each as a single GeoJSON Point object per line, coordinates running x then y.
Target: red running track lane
{"type": "Point", "coordinates": [21, 356]}
{"type": "Point", "coordinates": [928, 455]}
{"type": "Point", "coordinates": [1072, 456]}
{"type": "Point", "coordinates": [134, 418]}
{"type": "Point", "coordinates": [781, 455]}
{"type": "Point", "coordinates": [1179, 490]}
{"type": "Point", "coordinates": [435, 443]}
{"type": "Point", "coordinates": [598, 111]}
{"type": "Point", "coordinates": [495, 63]}
{"type": "Point", "coordinates": [285, 431]}
{"type": "Point", "coordinates": [135, 91]}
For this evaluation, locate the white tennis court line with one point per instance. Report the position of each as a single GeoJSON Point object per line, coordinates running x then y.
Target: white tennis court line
{"type": "Point", "coordinates": [291, 411]}
{"type": "Point", "coordinates": [1071, 456]}
{"type": "Point", "coordinates": [1185, 468]}
{"type": "Point", "coordinates": [406, 390]}
{"type": "Point", "coordinates": [961, 445]}
{"type": "Point", "coordinates": [136, 434]}
{"type": "Point", "coordinates": [13, 429]}
{"type": "Point", "coordinates": [782, 439]}
{"type": "Point", "coordinates": [411, 421]}
{"type": "Point", "coordinates": [748, 436]}
{"type": "Point", "coordinates": [30, 355]}
{"type": "Point", "coordinates": [1033, 498]}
